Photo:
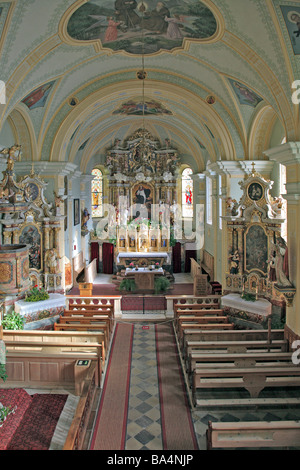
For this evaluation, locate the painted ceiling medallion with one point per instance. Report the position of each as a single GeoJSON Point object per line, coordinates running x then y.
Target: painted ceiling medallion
{"type": "Point", "coordinates": [124, 25]}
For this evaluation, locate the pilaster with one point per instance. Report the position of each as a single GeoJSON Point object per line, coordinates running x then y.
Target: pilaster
{"type": "Point", "coordinates": [289, 155]}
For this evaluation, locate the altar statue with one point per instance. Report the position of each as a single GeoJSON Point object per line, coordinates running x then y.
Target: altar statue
{"type": "Point", "coordinates": [281, 263]}
{"type": "Point", "coordinates": [51, 260]}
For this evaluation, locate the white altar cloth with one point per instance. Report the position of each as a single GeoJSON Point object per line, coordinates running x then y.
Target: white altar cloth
{"type": "Point", "coordinates": [143, 271]}
{"type": "Point", "coordinates": [54, 301]}
{"type": "Point", "coordinates": [138, 254]}
{"type": "Point", "coordinates": [259, 307]}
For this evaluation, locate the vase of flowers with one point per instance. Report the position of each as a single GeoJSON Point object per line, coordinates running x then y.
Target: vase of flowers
{"type": "Point", "coordinates": [156, 265]}
{"type": "Point", "coordinates": [131, 265]}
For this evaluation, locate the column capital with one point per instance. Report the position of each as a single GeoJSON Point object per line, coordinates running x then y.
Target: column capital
{"type": "Point", "coordinates": [238, 168]}
{"type": "Point", "coordinates": [286, 154]}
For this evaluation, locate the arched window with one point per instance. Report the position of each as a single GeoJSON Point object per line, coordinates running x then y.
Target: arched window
{"type": "Point", "coordinates": [187, 193]}
{"type": "Point", "coordinates": [97, 193]}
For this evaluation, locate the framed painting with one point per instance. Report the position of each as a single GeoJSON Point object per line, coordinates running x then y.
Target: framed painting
{"type": "Point", "coordinates": [76, 212]}
{"type": "Point", "coordinates": [32, 236]}
{"type": "Point", "coordinates": [256, 252]}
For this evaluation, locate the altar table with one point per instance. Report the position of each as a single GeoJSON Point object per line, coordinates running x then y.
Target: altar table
{"type": "Point", "coordinates": [32, 311]}
{"type": "Point", "coordinates": [144, 277]}
{"type": "Point", "coordinates": [149, 257]}
{"type": "Point", "coordinates": [257, 312]}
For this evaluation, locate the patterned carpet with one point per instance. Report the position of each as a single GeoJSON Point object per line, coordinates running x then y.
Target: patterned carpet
{"type": "Point", "coordinates": [32, 425]}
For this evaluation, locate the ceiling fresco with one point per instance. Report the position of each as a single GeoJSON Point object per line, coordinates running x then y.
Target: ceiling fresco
{"type": "Point", "coordinates": [291, 16]}
{"type": "Point", "coordinates": [127, 25]}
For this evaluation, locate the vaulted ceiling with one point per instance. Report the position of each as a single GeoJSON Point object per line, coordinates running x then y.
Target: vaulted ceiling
{"type": "Point", "coordinates": [220, 92]}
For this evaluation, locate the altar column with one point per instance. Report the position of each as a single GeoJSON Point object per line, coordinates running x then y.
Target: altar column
{"type": "Point", "coordinates": [289, 155]}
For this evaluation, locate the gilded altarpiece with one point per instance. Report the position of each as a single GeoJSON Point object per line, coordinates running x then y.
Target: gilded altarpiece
{"type": "Point", "coordinates": [255, 249]}
{"type": "Point", "coordinates": [33, 222]}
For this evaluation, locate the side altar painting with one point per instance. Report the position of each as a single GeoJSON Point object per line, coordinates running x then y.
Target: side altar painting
{"type": "Point", "coordinates": [257, 253]}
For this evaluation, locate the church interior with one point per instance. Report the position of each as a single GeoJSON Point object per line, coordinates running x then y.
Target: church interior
{"type": "Point", "coordinates": [149, 225]}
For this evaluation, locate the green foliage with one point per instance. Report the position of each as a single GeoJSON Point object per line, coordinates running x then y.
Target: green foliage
{"type": "Point", "coordinates": [36, 294]}
{"type": "Point", "coordinates": [3, 374]}
{"type": "Point", "coordinates": [128, 285]}
{"type": "Point", "coordinates": [13, 321]}
{"type": "Point", "coordinates": [161, 284]}
{"type": "Point", "coordinates": [249, 297]}
{"type": "Point", "coordinates": [4, 412]}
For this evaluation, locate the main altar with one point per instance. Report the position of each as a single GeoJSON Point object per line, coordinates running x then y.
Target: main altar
{"type": "Point", "coordinates": [142, 209]}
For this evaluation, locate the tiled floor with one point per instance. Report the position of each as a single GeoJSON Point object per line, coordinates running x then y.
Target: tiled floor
{"type": "Point", "coordinates": [143, 425]}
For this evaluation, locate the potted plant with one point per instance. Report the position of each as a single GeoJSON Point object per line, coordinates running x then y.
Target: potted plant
{"type": "Point", "coordinates": [36, 294]}
{"type": "Point", "coordinates": [131, 265]}
{"type": "Point", "coordinates": [161, 284]}
{"type": "Point", "coordinates": [128, 285]}
{"type": "Point", "coordinates": [156, 265]}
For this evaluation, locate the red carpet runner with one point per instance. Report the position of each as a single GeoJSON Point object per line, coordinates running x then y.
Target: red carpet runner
{"type": "Point", "coordinates": [110, 428]}
{"type": "Point", "coordinates": [177, 427]}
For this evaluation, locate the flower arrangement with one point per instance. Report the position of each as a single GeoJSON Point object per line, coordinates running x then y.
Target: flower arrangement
{"type": "Point", "coordinates": [156, 265]}
{"type": "Point", "coordinates": [131, 265]}
{"type": "Point", "coordinates": [36, 294]}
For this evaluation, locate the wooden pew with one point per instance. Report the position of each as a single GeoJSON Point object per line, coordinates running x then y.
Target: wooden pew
{"type": "Point", "coordinates": [233, 346]}
{"type": "Point", "coordinates": [253, 434]}
{"type": "Point", "coordinates": [68, 351]}
{"type": "Point", "coordinates": [74, 339]}
{"type": "Point", "coordinates": [204, 326]}
{"type": "Point", "coordinates": [81, 326]}
{"type": "Point", "coordinates": [252, 379]}
{"type": "Point", "coordinates": [250, 359]}
{"type": "Point", "coordinates": [198, 334]}
{"type": "Point", "coordinates": [49, 370]}
{"type": "Point", "coordinates": [92, 308]}
{"type": "Point", "coordinates": [88, 316]}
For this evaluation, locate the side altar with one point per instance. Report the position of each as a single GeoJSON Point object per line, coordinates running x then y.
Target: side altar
{"type": "Point", "coordinates": [257, 266]}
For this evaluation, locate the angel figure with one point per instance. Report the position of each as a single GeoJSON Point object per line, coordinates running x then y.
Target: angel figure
{"type": "Point", "coordinates": [11, 156]}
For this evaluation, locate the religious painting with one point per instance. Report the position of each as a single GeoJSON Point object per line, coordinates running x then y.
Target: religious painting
{"type": "Point", "coordinates": [76, 212]}
{"type": "Point", "coordinates": [291, 15]}
{"type": "Point", "coordinates": [123, 25]}
{"type": "Point", "coordinates": [256, 253]}
{"type": "Point", "coordinates": [255, 191]}
{"type": "Point", "coordinates": [142, 199]}
{"type": "Point", "coordinates": [139, 106]}
{"type": "Point", "coordinates": [31, 236]}
{"type": "Point", "coordinates": [38, 97]}
{"type": "Point", "coordinates": [244, 94]}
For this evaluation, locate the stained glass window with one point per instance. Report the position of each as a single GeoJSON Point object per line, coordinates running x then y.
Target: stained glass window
{"type": "Point", "coordinates": [97, 193]}
{"type": "Point", "coordinates": [187, 193]}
